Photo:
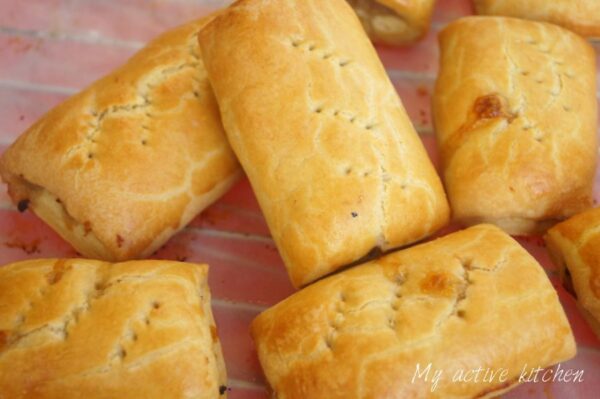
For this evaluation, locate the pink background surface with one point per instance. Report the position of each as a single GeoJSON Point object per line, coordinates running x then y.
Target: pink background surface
{"type": "Point", "coordinates": [50, 49]}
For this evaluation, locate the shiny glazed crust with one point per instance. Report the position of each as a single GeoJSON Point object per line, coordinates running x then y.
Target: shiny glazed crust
{"type": "Point", "coordinates": [120, 167]}
{"type": "Point", "coordinates": [88, 329]}
{"type": "Point", "coordinates": [574, 245]}
{"type": "Point", "coordinates": [471, 299]}
{"type": "Point", "coordinates": [515, 113]}
{"type": "Point", "coordinates": [395, 22]}
{"type": "Point", "coordinates": [581, 16]}
{"type": "Point", "coordinates": [334, 161]}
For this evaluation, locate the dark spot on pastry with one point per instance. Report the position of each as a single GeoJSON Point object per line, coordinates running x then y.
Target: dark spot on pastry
{"type": "Point", "coordinates": [222, 390]}
{"type": "Point", "coordinates": [144, 142]}
{"type": "Point", "coordinates": [400, 278]}
{"type": "Point", "coordinates": [213, 333]}
{"type": "Point", "coordinates": [58, 271]}
{"type": "Point", "coordinates": [119, 241]}
{"type": "Point", "coordinates": [58, 201]}
{"type": "Point", "coordinates": [568, 283]}
{"type": "Point", "coordinates": [329, 343]}
{"type": "Point", "coordinates": [461, 313]}
{"type": "Point", "coordinates": [156, 305]}
{"type": "Point", "coordinates": [488, 107]}
{"type": "Point", "coordinates": [436, 283]}
{"type": "Point", "coordinates": [3, 339]}
{"type": "Point", "coordinates": [354, 214]}
{"type": "Point", "coordinates": [23, 205]}
{"type": "Point", "coordinates": [87, 228]}
{"type": "Point", "coordinates": [90, 155]}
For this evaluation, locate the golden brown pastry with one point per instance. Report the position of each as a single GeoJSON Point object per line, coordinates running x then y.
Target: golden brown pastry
{"type": "Point", "coordinates": [515, 113]}
{"type": "Point", "coordinates": [471, 299]}
{"type": "Point", "coordinates": [87, 329]}
{"type": "Point", "coordinates": [581, 16]}
{"type": "Point", "coordinates": [120, 167]}
{"type": "Point", "coordinates": [396, 22]}
{"type": "Point", "coordinates": [574, 245]}
{"type": "Point", "coordinates": [335, 163]}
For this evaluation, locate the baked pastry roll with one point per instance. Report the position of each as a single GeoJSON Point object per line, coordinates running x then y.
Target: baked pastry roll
{"type": "Point", "coordinates": [472, 299]}
{"type": "Point", "coordinates": [333, 159]}
{"type": "Point", "coordinates": [574, 245]}
{"type": "Point", "coordinates": [82, 328]}
{"type": "Point", "coordinates": [120, 167]}
{"type": "Point", "coordinates": [515, 113]}
{"type": "Point", "coordinates": [395, 22]}
{"type": "Point", "coordinates": [581, 16]}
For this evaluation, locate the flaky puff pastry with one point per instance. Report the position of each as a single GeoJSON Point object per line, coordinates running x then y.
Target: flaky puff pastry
{"type": "Point", "coordinates": [87, 329]}
{"type": "Point", "coordinates": [574, 245]}
{"type": "Point", "coordinates": [471, 299]}
{"type": "Point", "coordinates": [515, 114]}
{"type": "Point", "coordinates": [120, 167]}
{"type": "Point", "coordinates": [396, 22]}
{"type": "Point", "coordinates": [581, 16]}
{"type": "Point", "coordinates": [333, 159]}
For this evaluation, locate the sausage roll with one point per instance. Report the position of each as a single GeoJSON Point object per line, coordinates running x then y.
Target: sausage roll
{"type": "Point", "coordinates": [581, 16]}
{"type": "Point", "coordinates": [472, 299]}
{"type": "Point", "coordinates": [120, 167]}
{"type": "Point", "coordinates": [574, 245]}
{"type": "Point", "coordinates": [334, 161]}
{"type": "Point", "coordinates": [88, 329]}
{"type": "Point", "coordinates": [395, 22]}
{"type": "Point", "coordinates": [515, 113]}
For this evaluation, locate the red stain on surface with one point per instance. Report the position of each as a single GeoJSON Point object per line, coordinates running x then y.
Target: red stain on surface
{"type": "Point", "coordinates": [27, 247]}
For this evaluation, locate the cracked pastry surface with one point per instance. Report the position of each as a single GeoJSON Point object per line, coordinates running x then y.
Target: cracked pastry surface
{"type": "Point", "coordinates": [395, 22]}
{"type": "Point", "coordinates": [581, 16]}
{"type": "Point", "coordinates": [333, 159]}
{"type": "Point", "coordinates": [574, 245]}
{"type": "Point", "coordinates": [83, 328]}
{"type": "Point", "coordinates": [515, 113]}
{"type": "Point", "coordinates": [120, 167]}
{"type": "Point", "coordinates": [471, 299]}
